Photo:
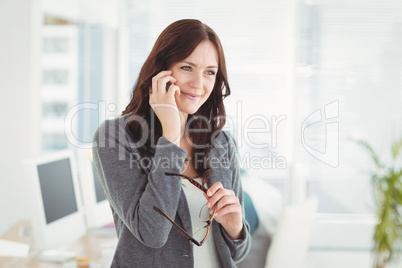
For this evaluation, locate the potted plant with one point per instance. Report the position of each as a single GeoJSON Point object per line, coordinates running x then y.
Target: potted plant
{"type": "Point", "coordinates": [386, 180]}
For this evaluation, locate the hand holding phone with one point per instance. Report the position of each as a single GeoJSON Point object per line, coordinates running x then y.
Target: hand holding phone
{"type": "Point", "coordinates": [163, 102]}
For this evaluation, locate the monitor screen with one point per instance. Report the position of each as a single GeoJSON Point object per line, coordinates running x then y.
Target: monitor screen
{"type": "Point", "coordinates": [56, 183]}
{"type": "Point", "coordinates": [53, 193]}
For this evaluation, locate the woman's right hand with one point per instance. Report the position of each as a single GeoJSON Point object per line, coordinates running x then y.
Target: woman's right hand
{"type": "Point", "coordinates": [164, 105]}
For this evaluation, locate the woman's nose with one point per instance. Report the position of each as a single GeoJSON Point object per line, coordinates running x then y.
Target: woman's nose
{"type": "Point", "coordinates": [196, 80]}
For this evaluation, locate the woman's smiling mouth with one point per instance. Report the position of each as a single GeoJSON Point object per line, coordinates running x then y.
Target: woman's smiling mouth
{"type": "Point", "coordinates": [190, 96]}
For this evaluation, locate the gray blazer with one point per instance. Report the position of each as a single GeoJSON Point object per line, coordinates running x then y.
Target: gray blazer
{"type": "Point", "coordinates": [133, 185]}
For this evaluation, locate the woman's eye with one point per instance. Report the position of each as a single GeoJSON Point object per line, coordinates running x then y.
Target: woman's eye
{"type": "Point", "coordinates": [210, 72]}
{"type": "Point", "coordinates": [186, 68]}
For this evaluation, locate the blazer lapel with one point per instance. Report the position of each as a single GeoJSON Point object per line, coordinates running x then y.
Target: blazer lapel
{"type": "Point", "coordinates": [220, 163]}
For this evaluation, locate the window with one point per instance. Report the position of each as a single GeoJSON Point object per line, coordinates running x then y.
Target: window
{"type": "Point", "coordinates": [55, 77]}
{"type": "Point", "coordinates": [59, 81]}
{"type": "Point", "coordinates": [350, 61]}
{"type": "Point", "coordinates": [54, 141]}
{"type": "Point", "coordinates": [55, 45]}
{"type": "Point", "coordinates": [54, 109]}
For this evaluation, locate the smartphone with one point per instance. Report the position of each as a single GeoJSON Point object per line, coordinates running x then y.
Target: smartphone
{"type": "Point", "coordinates": [168, 85]}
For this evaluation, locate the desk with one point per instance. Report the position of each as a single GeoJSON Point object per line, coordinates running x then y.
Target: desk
{"type": "Point", "coordinates": [97, 248]}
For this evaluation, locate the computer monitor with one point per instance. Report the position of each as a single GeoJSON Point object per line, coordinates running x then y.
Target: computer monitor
{"type": "Point", "coordinates": [96, 207]}
{"type": "Point", "coordinates": [53, 193]}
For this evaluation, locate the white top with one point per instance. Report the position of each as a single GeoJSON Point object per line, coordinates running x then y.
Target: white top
{"type": "Point", "coordinates": [205, 255]}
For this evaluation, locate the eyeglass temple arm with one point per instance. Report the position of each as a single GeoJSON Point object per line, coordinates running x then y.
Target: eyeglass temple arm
{"type": "Point", "coordinates": [178, 228]}
{"type": "Point", "coordinates": [192, 181]}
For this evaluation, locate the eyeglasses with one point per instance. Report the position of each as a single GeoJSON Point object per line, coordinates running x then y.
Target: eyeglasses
{"type": "Point", "coordinates": [201, 233]}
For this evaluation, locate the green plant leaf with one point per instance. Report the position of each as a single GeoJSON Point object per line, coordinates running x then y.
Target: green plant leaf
{"type": "Point", "coordinates": [372, 153]}
{"type": "Point", "coordinates": [396, 148]}
{"type": "Point", "coordinates": [387, 188]}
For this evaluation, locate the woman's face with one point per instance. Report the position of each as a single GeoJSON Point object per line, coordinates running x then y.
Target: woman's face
{"type": "Point", "coordinates": [195, 76]}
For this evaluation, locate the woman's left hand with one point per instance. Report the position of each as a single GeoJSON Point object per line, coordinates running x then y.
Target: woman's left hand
{"type": "Point", "coordinates": [228, 209]}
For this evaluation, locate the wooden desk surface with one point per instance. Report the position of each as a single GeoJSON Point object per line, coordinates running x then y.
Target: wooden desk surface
{"type": "Point", "coordinates": [90, 246]}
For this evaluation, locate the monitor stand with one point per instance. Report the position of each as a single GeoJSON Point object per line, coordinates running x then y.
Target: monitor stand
{"type": "Point", "coordinates": [49, 255]}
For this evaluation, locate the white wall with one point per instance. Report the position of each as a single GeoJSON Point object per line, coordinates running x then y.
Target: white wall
{"type": "Point", "coordinates": [20, 24]}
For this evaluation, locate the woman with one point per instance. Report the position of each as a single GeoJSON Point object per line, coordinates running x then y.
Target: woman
{"type": "Point", "coordinates": [170, 131]}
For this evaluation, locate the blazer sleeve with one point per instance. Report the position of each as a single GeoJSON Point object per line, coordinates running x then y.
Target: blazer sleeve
{"type": "Point", "coordinates": [238, 248]}
{"type": "Point", "coordinates": [133, 185]}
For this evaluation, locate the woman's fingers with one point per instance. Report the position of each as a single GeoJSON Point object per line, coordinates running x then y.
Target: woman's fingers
{"type": "Point", "coordinates": [160, 81]}
{"type": "Point", "coordinates": [228, 209]}
{"type": "Point", "coordinates": [215, 187]}
{"type": "Point", "coordinates": [221, 197]}
{"type": "Point", "coordinates": [164, 105]}
{"type": "Point", "coordinates": [174, 90]}
{"type": "Point", "coordinates": [227, 204]}
{"type": "Point", "coordinates": [216, 192]}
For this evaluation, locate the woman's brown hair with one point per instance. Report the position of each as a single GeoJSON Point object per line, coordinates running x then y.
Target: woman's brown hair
{"type": "Point", "coordinates": [175, 44]}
